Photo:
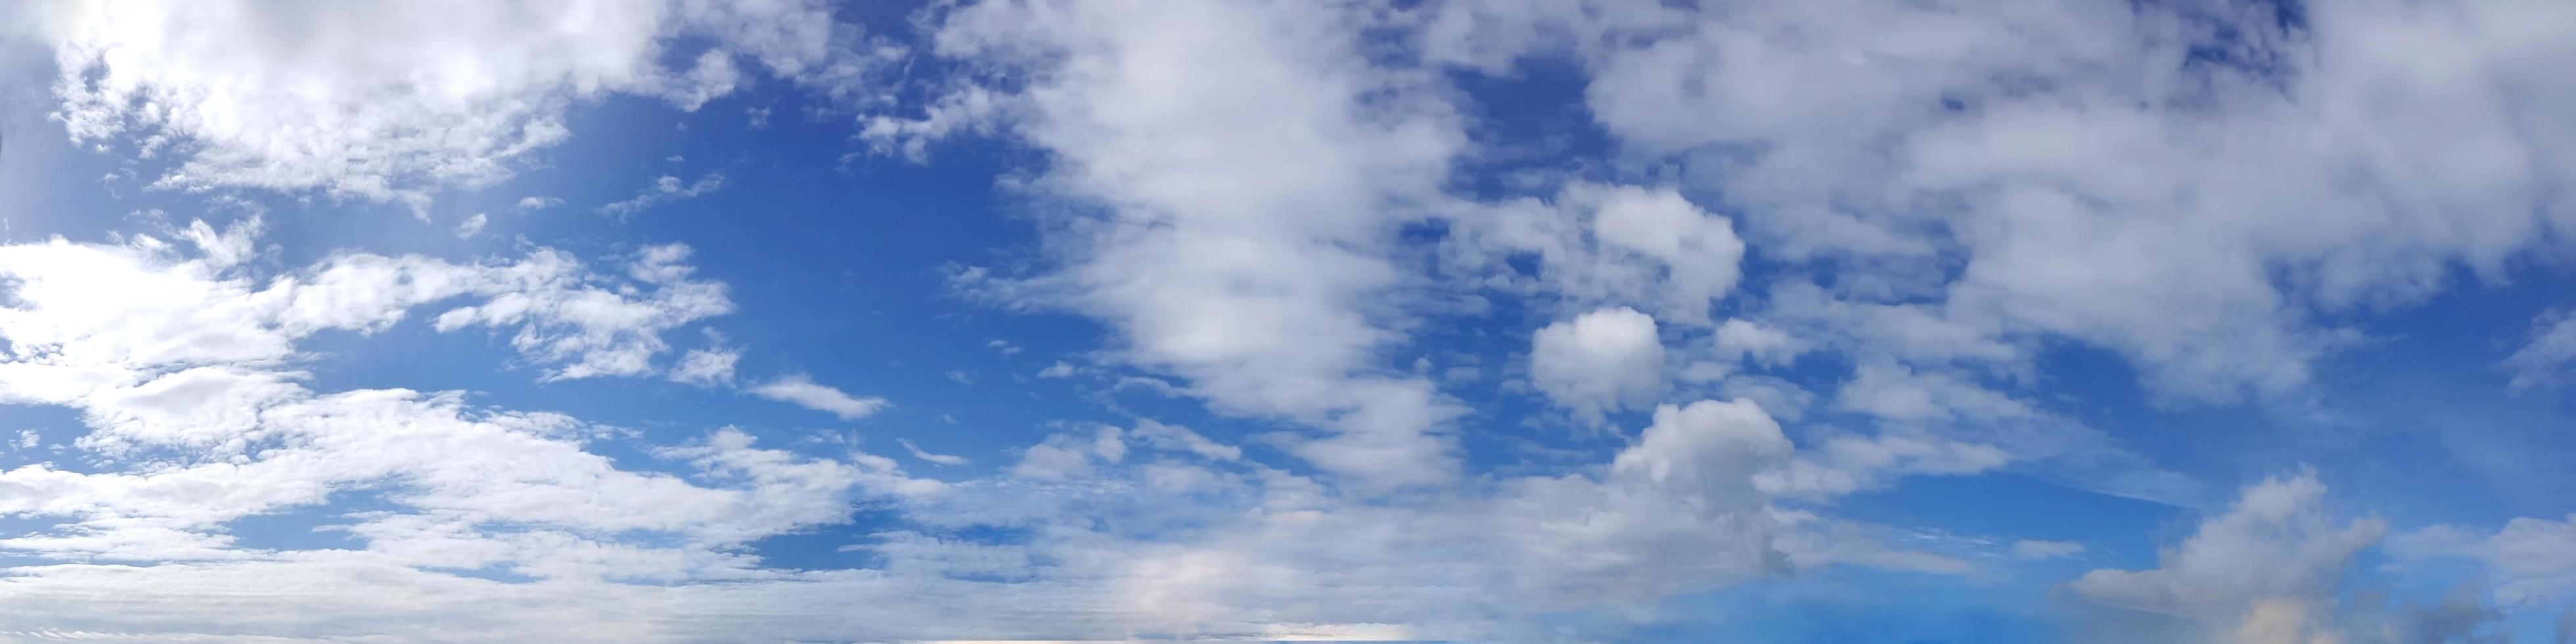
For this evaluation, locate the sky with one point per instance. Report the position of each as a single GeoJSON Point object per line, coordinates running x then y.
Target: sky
{"type": "Point", "coordinates": [1906, 321]}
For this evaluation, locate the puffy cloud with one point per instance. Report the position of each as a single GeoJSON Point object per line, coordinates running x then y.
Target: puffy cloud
{"type": "Point", "coordinates": [1600, 361]}
{"type": "Point", "coordinates": [706, 367]}
{"type": "Point", "coordinates": [2267, 570]}
{"type": "Point", "coordinates": [1600, 243]}
{"type": "Point", "coordinates": [800, 390]}
{"type": "Point", "coordinates": [87, 318]}
{"type": "Point", "coordinates": [1232, 172]}
{"type": "Point", "coordinates": [1067, 456]}
{"type": "Point", "coordinates": [1748, 340]}
{"type": "Point", "coordinates": [395, 101]}
{"type": "Point", "coordinates": [2194, 186]}
{"type": "Point", "coordinates": [2531, 560]}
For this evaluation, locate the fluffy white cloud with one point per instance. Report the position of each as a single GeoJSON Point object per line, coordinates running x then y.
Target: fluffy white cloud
{"type": "Point", "coordinates": [393, 101]}
{"type": "Point", "coordinates": [1600, 361]}
{"type": "Point", "coordinates": [800, 390]}
{"type": "Point", "coordinates": [2267, 570]}
{"type": "Point", "coordinates": [1748, 340]}
{"type": "Point", "coordinates": [2191, 186]}
{"type": "Point", "coordinates": [88, 317]}
{"type": "Point", "coordinates": [2532, 560]}
{"type": "Point", "coordinates": [1232, 172]}
{"type": "Point", "coordinates": [1602, 244]}
{"type": "Point", "coordinates": [707, 367]}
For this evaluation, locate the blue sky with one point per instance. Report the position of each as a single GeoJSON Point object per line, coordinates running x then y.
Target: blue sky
{"type": "Point", "coordinates": [1849, 321]}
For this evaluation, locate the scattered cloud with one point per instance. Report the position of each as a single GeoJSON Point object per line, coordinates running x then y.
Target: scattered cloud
{"type": "Point", "coordinates": [1600, 361]}
{"type": "Point", "coordinates": [398, 100]}
{"type": "Point", "coordinates": [472, 226]}
{"type": "Point", "coordinates": [938, 459]}
{"type": "Point", "coordinates": [800, 390]}
{"type": "Point", "coordinates": [663, 190]}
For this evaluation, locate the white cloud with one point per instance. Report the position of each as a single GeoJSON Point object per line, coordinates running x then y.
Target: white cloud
{"type": "Point", "coordinates": [2039, 549]}
{"type": "Point", "coordinates": [665, 189]}
{"type": "Point", "coordinates": [107, 315]}
{"type": "Point", "coordinates": [2531, 560]}
{"type": "Point", "coordinates": [536, 203]}
{"type": "Point", "coordinates": [472, 226]}
{"type": "Point", "coordinates": [1600, 361]}
{"type": "Point", "coordinates": [1233, 164]}
{"type": "Point", "coordinates": [2089, 171]}
{"type": "Point", "coordinates": [1742, 339]}
{"type": "Point", "coordinates": [2269, 569]}
{"type": "Point", "coordinates": [941, 459]}
{"type": "Point", "coordinates": [1060, 369]}
{"type": "Point", "coordinates": [1603, 244]}
{"type": "Point", "coordinates": [1067, 456]}
{"type": "Point", "coordinates": [800, 390]}
{"type": "Point", "coordinates": [2544, 360]}
{"type": "Point", "coordinates": [706, 367]}
{"type": "Point", "coordinates": [393, 101]}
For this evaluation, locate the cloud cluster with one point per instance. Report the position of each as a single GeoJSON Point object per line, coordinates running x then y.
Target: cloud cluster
{"type": "Point", "coordinates": [395, 101]}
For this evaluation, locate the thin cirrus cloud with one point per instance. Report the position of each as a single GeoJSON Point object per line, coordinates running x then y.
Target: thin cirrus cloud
{"type": "Point", "coordinates": [1356, 347]}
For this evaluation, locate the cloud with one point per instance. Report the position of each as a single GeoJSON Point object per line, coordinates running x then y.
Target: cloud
{"type": "Point", "coordinates": [1060, 369]}
{"type": "Point", "coordinates": [1600, 361]}
{"type": "Point", "coordinates": [2269, 569]}
{"type": "Point", "coordinates": [536, 203]}
{"type": "Point", "coordinates": [2037, 549]}
{"type": "Point", "coordinates": [665, 189]}
{"type": "Point", "coordinates": [2543, 361]}
{"type": "Point", "coordinates": [2094, 174]}
{"type": "Point", "coordinates": [1068, 456]}
{"type": "Point", "coordinates": [706, 367]}
{"type": "Point", "coordinates": [1602, 244]}
{"type": "Point", "coordinates": [2531, 560]}
{"type": "Point", "coordinates": [801, 391]}
{"type": "Point", "coordinates": [941, 459]}
{"type": "Point", "coordinates": [395, 101]}
{"type": "Point", "coordinates": [103, 315]}
{"type": "Point", "coordinates": [472, 226]}
{"type": "Point", "coordinates": [1747, 340]}
{"type": "Point", "coordinates": [1248, 259]}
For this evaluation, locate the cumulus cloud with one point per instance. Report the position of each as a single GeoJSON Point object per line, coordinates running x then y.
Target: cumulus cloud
{"type": "Point", "coordinates": [394, 101]}
{"type": "Point", "coordinates": [1232, 165]}
{"type": "Point", "coordinates": [2532, 560]}
{"type": "Point", "coordinates": [2269, 569]}
{"type": "Point", "coordinates": [800, 390]}
{"type": "Point", "coordinates": [1600, 361]}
